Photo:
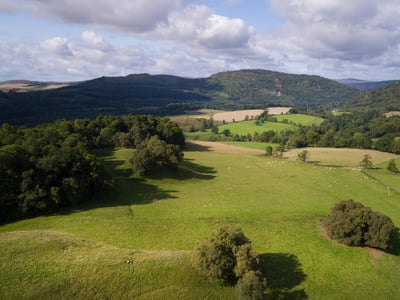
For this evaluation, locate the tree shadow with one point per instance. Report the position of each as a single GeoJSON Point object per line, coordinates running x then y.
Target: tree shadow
{"type": "Point", "coordinates": [194, 147]}
{"type": "Point", "coordinates": [284, 272]}
{"type": "Point", "coordinates": [188, 169]}
{"type": "Point", "coordinates": [395, 241]}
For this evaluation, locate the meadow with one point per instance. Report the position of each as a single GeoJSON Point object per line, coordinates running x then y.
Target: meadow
{"type": "Point", "coordinates": [136, 241]}
{"type": "Point", "coordinates": [304, 120]}
{"type": "Point", "coordinates": [249, 127]}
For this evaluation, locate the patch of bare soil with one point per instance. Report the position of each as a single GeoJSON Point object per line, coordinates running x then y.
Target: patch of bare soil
{"type": "Point", "coordinates": [238, 115]}
{"type": "Point", "coordinates": [278, 110]}
{"type": "Point", "coordinates": [223, 148]}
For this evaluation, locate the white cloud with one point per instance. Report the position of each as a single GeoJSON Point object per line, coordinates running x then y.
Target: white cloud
{"type": "Point", "coordinates": [185, 37]}
{"type": "Point", "coordinates": [57, 45]}
{"type": "Point", "coordinates": [199, 26]}
{"type": "Point", "coordinates": [95, 41]}
{"type": "Point", "coordinates": [355, 30]}
{"type": "Point", "coordinates": [128, 15]}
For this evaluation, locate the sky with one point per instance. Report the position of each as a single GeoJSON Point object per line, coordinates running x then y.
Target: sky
{"type": "Point", "coordinates": [73, 40]}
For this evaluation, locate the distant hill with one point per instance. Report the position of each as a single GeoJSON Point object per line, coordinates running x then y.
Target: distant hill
{"type": "Point", "coordinates": [166, 94]}
{"type": "Point", "coordinates": [279, 89]}
{"type": "Point", "coordinates": [28, 86]}
{"type": "Point", "coordinates": [363, 85]}
{"type": "Point", "coordinates": [384, 99]}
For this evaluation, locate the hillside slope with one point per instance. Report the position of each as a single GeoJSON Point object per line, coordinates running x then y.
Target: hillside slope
{"type": "Point", "coordinates": [363, 85]}
{"type": "Point", "coordinates": [166, 94]}
{"type": "Point", "coordinates": [275, 88]}
{"type": "Point", "coordinates": [383, 99]}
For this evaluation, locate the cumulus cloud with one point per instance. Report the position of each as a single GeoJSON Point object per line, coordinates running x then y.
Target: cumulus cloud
{"type": "Point", "coordinates": [175, 20]}
{"type": "Point", "coordinates": [57, 45]}
{"type": "Point", "coordinates": [199, 26]}
{"type": "Point", "coordinates": [357, 29]}
{"type": "Point", "coordinates": [95, 41]}
{"type": "Point", "coordinates": [129, 15]}
{"type": "Point", "coordinates": [188, 38]}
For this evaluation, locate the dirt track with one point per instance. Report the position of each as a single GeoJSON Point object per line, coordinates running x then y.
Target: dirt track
{"type": "Point", "coordinates": [222, 148]}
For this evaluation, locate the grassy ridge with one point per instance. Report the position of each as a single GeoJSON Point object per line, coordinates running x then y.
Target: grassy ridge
{"type": "Point", "coordinates": [155, 222]}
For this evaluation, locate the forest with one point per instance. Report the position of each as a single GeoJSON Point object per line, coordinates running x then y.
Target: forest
{"type": "Point", "coordinates": [55, 165]}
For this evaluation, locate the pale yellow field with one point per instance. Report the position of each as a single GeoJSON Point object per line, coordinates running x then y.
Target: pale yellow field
{"type": "Point", "coordinates": [240, 115]}
{"type": "Point", "coordinates": [340, 156]}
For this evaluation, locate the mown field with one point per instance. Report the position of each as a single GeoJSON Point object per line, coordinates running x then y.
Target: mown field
{"type": "Point", "coordinates": [136, 242]}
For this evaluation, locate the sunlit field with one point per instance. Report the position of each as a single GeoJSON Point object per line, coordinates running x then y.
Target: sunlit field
{"type": "Point", "coordinates": [136, 241]}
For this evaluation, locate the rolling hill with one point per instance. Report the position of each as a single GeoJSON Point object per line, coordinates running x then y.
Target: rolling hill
{"type": "Point", "coordinates": [363, 85]}
{"type": "Point", "coordinates": [166, 94]}
{"type": "Point", "coordinates": [384, 99]}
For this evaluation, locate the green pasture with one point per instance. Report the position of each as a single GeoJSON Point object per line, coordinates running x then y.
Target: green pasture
{"type": "Point", "coordinates": [135, 242]}
{"type": "Point", "coordinates": [199, 135]}
{"type": "Point", "coordinates": [300, 119]}
{"type": "Point", "coordinates": [249, 127]}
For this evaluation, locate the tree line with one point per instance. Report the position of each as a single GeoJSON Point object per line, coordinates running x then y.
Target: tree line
{"type": "Point", "coordinates": [363, 130]}
{"type": "Point", "coordinates": [55, 165]}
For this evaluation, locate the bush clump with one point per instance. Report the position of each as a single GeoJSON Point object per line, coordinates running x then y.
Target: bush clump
{"type": "Point", "coordinates": [353, 224]}
{"type": "Point", "coordinates": [228, 258]}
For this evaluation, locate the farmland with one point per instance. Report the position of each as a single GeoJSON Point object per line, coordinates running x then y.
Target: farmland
{"type": "Point", "coordinates": [136, 241]}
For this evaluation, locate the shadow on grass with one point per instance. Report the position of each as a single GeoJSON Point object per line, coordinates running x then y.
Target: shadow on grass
{"type": "Point", "coordinates": [284, 273]}
{"type": "Point", "coordinates": [193, 146]}
{"type": "Point", "coordinates": [188, 169]}
{"type": "Point", "coordinates": [395, 240]}
{"type": "Point", "coordinates": [126, 189]}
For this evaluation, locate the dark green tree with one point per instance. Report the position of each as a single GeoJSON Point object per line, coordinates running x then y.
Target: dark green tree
{"type": "Point", "coordinates": [366, 162]}
{"type": "Point", "coordinates": [303, 156]}
{"type": "Point", "coordinates": [392, 167]}
{"type": "Point", "coordinates": [226, 256]}
{"type": "Point", "coordinates": [251, 286]}
{"type": "Point", "coordinates": [153, 154]}
{"type": "Point", "coordinates": [268, 151]}
{"type": "Point", "coordinates": [353, 224]}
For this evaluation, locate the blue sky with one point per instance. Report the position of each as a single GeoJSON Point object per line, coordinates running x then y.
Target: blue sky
{"type": "Point", "coordinates": [70, 40]}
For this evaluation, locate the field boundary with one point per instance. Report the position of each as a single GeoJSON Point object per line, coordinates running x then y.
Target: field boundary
{"type": "Point", "coordinates": [387, 185]}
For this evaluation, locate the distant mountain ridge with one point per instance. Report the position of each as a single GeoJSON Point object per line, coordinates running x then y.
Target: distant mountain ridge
{"type": "Point", "coordinates": [168, 94]}
{"type": "Point", "coordinates": [384, 99]}
{"type": "Point", "coordinates": [364, 85]}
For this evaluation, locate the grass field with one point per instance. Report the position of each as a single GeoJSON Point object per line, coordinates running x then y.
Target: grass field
{"type": "Point", "coordinates": [343, 157]}
{"type": "Point", "coordinates": [136, 242]}
{"type": "Point", "coordinates": [249, 127]}
{"type": "Point", "coordinates": [304, 120]}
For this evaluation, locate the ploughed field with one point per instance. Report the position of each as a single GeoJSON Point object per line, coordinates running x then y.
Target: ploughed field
{"type": "Point", "coordinates": [136, 242]}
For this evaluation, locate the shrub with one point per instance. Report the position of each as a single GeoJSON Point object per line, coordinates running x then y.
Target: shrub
{"type": "Point", "coordinates": [353, 224]}
{"type": "Point", "coordinates": [392, 167]}
{"type": "Point", "coordinates": [226, 256]}
{"type": "Point", "coordinates": [251, 286]}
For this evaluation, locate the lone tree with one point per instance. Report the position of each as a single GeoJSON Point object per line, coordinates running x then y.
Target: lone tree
{"type": "Point", "coordinates": [268, 151]}
{"type": "Point", "coordinates": [392, 166]}
{"type": "Point", "coordinates": [303, 156]}
{"type": "Point", "coordinates": [353, 224]}
{"type": "Point", "coordinates": [366, 162]}
{"type": "Point", "coordinates": [228, 258]}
